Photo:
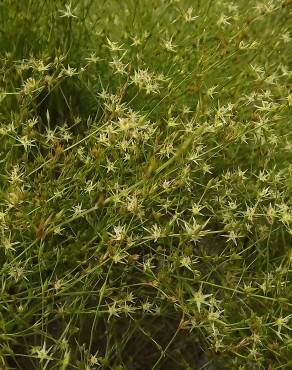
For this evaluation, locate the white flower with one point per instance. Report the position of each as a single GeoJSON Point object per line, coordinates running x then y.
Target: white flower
{"type": "Point", "coordinates": [110, 166]}
{"type": "Point", "coordinates": [8, 245]}
{"type": "Point", "coordinates": [92, 58]}
{"type": "Point", "coordinates": [168, 45]}
{"type": "Point", "coordinates": [77, 210]}
{"type": "Point", "coordinates": [232, 236]}
{"type": "Point", "coordinates": [119, 66]}
{"type": "Point", "coordinates": [119, 232]}
{"type": "Point", "coordinates": [145, 80]}
{"type": "Point", "coordinates": [118, 257]}
{"type": "Point", "coordinates": [26, 142]}
{"type": "Point", "coordinates": [223, 20]}
{"type": "Point", "coordinates": [50, 135]}
{"type": "Point", "coordinates": [69, 71]}
{"type": "Point", "coordinates": [186, 262]}
{"type": "Point", "coordinates": [200, 299]}
{"type": "Point", "coordinates": [282, 322]}
{"type": "Point", "coordinates": [188, 15]}
{"type": "Point", "coordinates": [114, 46]}
{"type": "Point", "coordinates": [41, 352]}
{"type": "Point", "coordinates": [93, 360]}
{"type": "Point", "coordinates": [89, 186]}
{"type": "Point", "coordinates": [146, 306]}
{"type": "Point", "coordinates": [16, 176]}
{"type": "Point", "coordinates": [67, 13]}
{"type": "Point", "coordinates": [286, 37]}
{"type": "Point", "coordinates": [211, 91]}
{"type": "Point", "coordinates": [195, 231]}
{"type": "Point", "coordinates": [155, 232]}
{"type": "Point", "coordinates": [196, 209]}
{"type": "Point", "coordinates": [113, 311]}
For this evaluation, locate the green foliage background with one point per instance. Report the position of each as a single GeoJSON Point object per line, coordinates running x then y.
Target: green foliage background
{"type": "Point", "coordinates": [145, 184]}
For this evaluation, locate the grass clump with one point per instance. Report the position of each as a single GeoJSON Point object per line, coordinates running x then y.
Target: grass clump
{"type": "Point", "coordinates": [145, 207]}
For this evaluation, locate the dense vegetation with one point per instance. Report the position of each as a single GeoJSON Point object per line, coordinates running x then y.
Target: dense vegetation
{"type": "Point", "coordinates": [145, 184]}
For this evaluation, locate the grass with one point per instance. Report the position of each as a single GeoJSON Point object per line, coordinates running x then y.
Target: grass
{"type": "Point", "coordinates": [145, 184]}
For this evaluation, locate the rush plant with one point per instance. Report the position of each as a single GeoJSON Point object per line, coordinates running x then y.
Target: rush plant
{"type": "Point", "coordinates": [145, 184]}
